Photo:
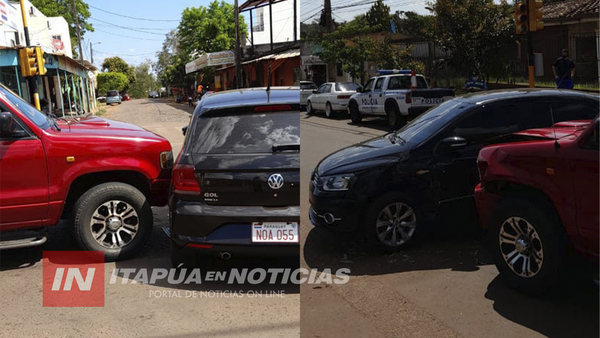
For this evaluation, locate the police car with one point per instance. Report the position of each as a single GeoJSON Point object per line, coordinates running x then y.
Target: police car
{"type": "Point", "coordinates": [395, 94]}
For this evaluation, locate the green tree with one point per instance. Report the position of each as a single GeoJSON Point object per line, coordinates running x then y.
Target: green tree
{"type": "Point", "coordinates": [201, 30]}
{"type": "Point", "coordinates": [145, 81]}
{"type": "Point", "coordinates": [476, 34]}
{"type": "Point", "coordinates": [117, 65]}
{"type": "Point", "coordinates": [52, 8]}
{"type": "Point", "coordinates": [209, 29]}
{"type": "Point", "coordinates": [111, 81]}
{"type": "Point", "coordinates": [378, 16]}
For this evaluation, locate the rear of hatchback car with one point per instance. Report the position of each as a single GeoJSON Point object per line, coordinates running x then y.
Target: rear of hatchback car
{"type": "Point", "coordinates": [235, 188]}
{"type": "Point", "coordinates": [113, 96]}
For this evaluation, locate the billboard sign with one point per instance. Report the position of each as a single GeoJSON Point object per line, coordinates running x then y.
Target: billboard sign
{"type": "Point", "coordinates": [210, 60]}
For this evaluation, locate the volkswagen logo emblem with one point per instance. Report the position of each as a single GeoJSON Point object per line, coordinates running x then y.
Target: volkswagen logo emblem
{"type": "Point", "coordinates": [275, 181]}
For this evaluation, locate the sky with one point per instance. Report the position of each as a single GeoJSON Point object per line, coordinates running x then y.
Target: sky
{"type": "Point", "coordinates": [135, 40]}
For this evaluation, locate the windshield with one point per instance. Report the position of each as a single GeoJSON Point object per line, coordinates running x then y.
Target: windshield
{"type": "Point", "coordinates": [246, 134]}
{"type": "Point", "coordinates": [346, 87]}
{"type": "Point", "coordinates": [424, 126]}
{"type": "Point", "coordinates": [28, 110]}
{"type": "Point", "coordinates": [308, 86]}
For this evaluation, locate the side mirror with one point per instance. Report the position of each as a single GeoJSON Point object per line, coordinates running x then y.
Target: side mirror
{"type": "Point", "coordinates": [314, 91]}
{"type": "Point", "coordinates": [6, 122]}
{"type": "Point", "coordinates": [184, 130]}
{"type": "Point", "coordinates": [359, 90]}
{"type": "Point", "coordinates": [453, 143]}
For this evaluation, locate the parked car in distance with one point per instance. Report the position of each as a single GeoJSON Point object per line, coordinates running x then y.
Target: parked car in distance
{"type": "Point", "coordinates": [331, 97]}
{"type": "Point", "coordinates": [236, 182]}
{"type": "Point", "coordinates": [391, 185]}
{"type": "Point", "coordinates": [101, 98]}
{"type": "Point", "coordinates": [539, 195]}
{"type": "Point", "coordinates": [153, 95]}
{"type": "Point", "coordinates": [102, 175]}
{"type": "Point", "coordinates": [306, 90]}
{"type": "Point", "coordinates": [113, 97]}
{"type": "Point", "coordinates": [390, 95]}
{"type": "Point", "coordinates": [126, 97]}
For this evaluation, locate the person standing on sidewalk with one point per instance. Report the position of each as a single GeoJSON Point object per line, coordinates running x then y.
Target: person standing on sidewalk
{"type": "Point", "coordinates": [564, 71]}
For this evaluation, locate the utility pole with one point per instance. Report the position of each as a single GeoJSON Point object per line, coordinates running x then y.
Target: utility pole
{"type": "Point", "coordinates": [238, 60]}
{"type": "Point", "coordinates": [530, 48]}
{"type": "Point", "coordinates": [331, 67]}
{"type": "Point", "coordinates": [76, 16]}
{"type": "Point", "coordinates": [31, 80]}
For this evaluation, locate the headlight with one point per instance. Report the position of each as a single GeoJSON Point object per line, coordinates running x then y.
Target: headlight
{"type": "Point", "coordinates": [166, 160]}
{"type": "Point", "coordinates": [338, 182]}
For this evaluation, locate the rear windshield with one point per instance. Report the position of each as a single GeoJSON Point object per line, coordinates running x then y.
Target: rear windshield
{"type": "Point", "coordinates": [346, 87]}
{"type": "Point", "coordinates": [403, 82]}
{"type": "Point", "coordinates": [112, 93]}
{"type": "Point", "coordinates": [308, 86]}
{"type": "Point", "coordinates": [245, 134]}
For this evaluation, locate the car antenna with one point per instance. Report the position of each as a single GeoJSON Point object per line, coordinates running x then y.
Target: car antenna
{"type": "Point", "coordinates": [556, 145]}
{"type": "Point", "coordinates": [269, 86]}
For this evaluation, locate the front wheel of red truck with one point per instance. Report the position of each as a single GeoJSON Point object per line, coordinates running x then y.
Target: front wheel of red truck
{"type": "Point", "coordinates": [112, 217]}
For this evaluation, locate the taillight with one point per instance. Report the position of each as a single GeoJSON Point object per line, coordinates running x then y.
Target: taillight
{"type": "Point", "coordinates": [482, 167]}
{"type": "Point", "coordinates": [408, 97]}
{"type": "Point", "coordinates": [184, 180]}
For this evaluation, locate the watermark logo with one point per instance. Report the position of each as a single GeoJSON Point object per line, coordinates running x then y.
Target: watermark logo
{"type": "Point", "coordinates": [73, 279]}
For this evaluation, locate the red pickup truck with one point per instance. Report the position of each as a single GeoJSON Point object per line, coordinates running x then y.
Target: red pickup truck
{"type": "Point", "coordinates": [102, 175]}
{"type": "Point", "coordinates": [539, 196]}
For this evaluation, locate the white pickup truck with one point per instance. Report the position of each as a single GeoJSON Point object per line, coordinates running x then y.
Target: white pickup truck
{"type": "Point", "coordinates": [396, 96]}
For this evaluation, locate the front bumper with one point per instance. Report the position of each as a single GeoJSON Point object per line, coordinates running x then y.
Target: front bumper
{"type": "Point", "coordinates": [197, 225]}
{"type": "Point", "coordinates": [485, 202]}
{"type": "Point", "coordinates": [337, 211]}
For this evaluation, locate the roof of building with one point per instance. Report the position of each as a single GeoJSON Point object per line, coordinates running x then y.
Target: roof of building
{"type": "Point", "coordinates": [570, 9]}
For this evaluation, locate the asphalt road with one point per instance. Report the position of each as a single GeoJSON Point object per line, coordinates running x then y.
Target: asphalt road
{"type": "Point", "coordinates": [443, 286]}
{"type": "Point", "coordinates": [135, 310]}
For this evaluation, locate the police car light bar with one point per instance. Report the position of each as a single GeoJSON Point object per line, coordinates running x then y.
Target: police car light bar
{"type": "Point", "coordinates": [393, 71]}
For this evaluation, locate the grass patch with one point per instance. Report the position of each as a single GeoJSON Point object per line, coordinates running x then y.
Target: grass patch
{"type": "Point", "coordinates": [100, 104]}
{"type": "Point", "coordinates": [101, 112]}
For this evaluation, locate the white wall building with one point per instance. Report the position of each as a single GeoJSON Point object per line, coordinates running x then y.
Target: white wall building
{"type": "Point", "coordinates": [52, 33]}
{"type": "Point", "coordinates": [283, 23]}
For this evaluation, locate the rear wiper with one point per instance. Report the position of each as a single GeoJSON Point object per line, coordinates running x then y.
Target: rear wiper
{"type": "Point", "coordinates": [283, 147]}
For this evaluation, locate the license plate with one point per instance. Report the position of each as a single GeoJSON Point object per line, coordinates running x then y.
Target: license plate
{"type": "Point", "coordinates": [432, 101]}
{"type": "Point", "coordinates": [275, 232]}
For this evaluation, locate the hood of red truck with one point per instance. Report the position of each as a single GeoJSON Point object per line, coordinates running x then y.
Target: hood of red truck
{"type": "Point", "coordinates": [94, 125]}
{"type": "Point", "coordinates": [560, 130]}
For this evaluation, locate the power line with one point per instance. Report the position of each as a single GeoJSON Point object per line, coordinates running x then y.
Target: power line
{"type": "Point", "coordinates": [129, 37]}
{"type": "Point", "coordinates": [127, 28]}
{"type": "Point", "coordinates": [119, 54]}
{"type": "Point", "coordinates": [131, 17]}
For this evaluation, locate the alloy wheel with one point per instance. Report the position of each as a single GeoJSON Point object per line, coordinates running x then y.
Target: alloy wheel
{"type": "Point", "coordinates": [396, 224]}
{"type": "Point", "coordinates": [114, 224]}
{"type": "Point", "coordinates": [521, 247]}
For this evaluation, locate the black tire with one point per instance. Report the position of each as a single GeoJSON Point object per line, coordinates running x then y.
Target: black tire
{"type": "Point", "coordinates": [395, 119]}
{"type": "Point", "coordinates": [328, 111]}
{"type": "Point", "coordinates": [93, 199]}
{"type": "Point", "coordinates": [354, 113]}
{"type": "Point", "coordinates": [551, 237]}
{"type": "Point", "coordinates": [309, 109]}
{"type": "Point", "coordinates": [374, 212]}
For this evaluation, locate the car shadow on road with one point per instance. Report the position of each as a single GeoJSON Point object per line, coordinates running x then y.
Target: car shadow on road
{"type": "Point", "coordinates": [376, 123]}
{"type": "Point", "coordinates": [571, 313]}
{"type": "Point", "coordinates": [455, 242]}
